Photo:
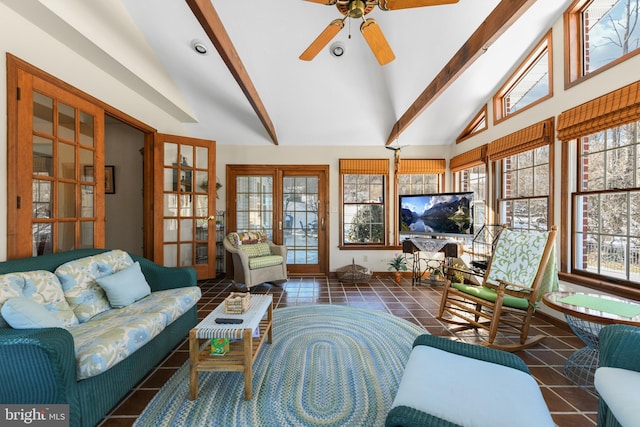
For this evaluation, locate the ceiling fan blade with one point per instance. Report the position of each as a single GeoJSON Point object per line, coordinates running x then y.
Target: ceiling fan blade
{"type": "Point", "coordinates": [377, 42]}
{"type": "Point", "coordinates": [321, 41]}
{"type": "Point", "coordinates": [327, 2]}
{"type": "Point", "coordinates": [406, 4]}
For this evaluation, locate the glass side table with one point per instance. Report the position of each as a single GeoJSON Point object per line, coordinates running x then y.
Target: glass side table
{"type": "Point", "coordinates": [586, 324]}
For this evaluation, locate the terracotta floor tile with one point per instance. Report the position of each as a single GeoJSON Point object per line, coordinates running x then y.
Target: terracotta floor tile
{"type": "Point", "coordinates": [569, 404]}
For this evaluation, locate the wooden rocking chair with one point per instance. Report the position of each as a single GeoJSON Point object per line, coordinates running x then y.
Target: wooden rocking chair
{"type": "Point", "coordinates": [522, 267]}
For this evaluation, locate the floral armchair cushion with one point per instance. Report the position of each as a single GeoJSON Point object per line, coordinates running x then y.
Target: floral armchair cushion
{"type": "Point", "coordinates": [43, 287]}
{"type": "Point", "coordinates": [78, 279]}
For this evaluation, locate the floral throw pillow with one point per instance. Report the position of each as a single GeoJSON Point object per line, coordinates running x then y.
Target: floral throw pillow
{"type": "Point", "coordinates": [78, 279]}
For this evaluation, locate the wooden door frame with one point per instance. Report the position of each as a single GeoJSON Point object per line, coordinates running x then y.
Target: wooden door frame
{"type": "Point", "coordinates": [278, 171]}
{"type": "Point", "coordinates": [13, 65]}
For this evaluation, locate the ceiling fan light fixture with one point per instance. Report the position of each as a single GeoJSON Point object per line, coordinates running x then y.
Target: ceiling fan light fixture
{"type": "Point", "coordinates": [337, 49]}
{"type": "Point", "coordinates": [356, 9]}
{"type": "Point", "coordinates": [199, 47]}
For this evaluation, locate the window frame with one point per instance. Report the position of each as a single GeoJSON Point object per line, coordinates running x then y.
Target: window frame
{"type": "Point", "coordinates": [385, 212]}
{"type": "Point", "coordinates": [580, 191]}
{"type": "Point", "coordinates": [461, 185]}
{"type": "Point", "coordinates": [574, 46]}
{"type": "Point", "coordinates": [474, 127]}
{"type": "Point", "coordinates": [503, 199]}
{"type": "Point", "coordinates": [543, 46]}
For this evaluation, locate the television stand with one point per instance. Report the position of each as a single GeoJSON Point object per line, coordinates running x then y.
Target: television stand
{"type": "Point", "coordinates": [415, 245]}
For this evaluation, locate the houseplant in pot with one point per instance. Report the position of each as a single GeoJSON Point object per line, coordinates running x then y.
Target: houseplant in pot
{"type": "Point", "coordinates": [398, 264]}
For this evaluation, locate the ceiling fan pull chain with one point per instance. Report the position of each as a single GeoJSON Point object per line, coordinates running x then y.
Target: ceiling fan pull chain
{"type": "Point", "coordinates": [349, 29]}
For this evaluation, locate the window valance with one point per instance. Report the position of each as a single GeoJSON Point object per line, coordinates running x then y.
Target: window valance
{"type": "Point", "coordinates": [364, 166]}
{"type": "Point", "coordinates": [469, 159]}
{"type": "Point", "coordinates": [420, 166]}
{"type": "Point", "coordinates": [613, 109]}
{"type": "Point", "coordinates": [534, 136]}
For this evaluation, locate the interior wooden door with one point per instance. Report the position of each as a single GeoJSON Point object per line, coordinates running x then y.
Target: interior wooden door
{"type": "Point", "coordinates": [184, 203]}
{"type": "Point", "coordinates": [55, 169]}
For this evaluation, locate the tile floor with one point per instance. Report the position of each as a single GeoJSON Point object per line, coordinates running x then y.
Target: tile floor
{"type": "Point", "coordinates": [570, 405]}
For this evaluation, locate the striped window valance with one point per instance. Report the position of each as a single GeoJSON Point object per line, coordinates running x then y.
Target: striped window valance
{"type": "Point", "coordinates": [422, 166]}
{"type": "Point", "coordinates": [469, 159]}
{"type": "Point", "coordinates": [613, 109]}
{"type": "Point", "coordinates": [534, 136]}
{"type": "Point", "coordinates": [364, 166]}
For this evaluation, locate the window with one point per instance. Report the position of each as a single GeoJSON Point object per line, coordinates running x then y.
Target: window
{"type": "Point", "coordinates": [529, 85]}
{"type": "Point", "coordinates": [363, 186]}
{"type": "Point", "coordinates": [523, 160]}
{"type": "Point", "coordinates": [477, 125]}
{"type": "Point", "coordinates": [607, 203]}
{"type": "Point", "coordinates": [525, 190]}
{"type": "Point", "coordinates": [604, 138]}
{"type": "Point", "coordinates": [470, 174]}
{"type": "Point", "coordinates": [600, 33]}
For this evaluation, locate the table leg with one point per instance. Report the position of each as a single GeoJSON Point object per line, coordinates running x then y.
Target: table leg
{"type": "Point", "coordinates": [194, 349]}
{"type": "Point", "coordinates": [270, 319]}
{"type": "Point", "coordinates": [580, 367]}
{"type": "Point", "coordinates": [248, 356]}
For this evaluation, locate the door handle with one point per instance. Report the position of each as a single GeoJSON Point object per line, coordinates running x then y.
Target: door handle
{"type": "Point", "coordinates": [211, 218]}
{"type": "Point", "coordinates": [280, 225]}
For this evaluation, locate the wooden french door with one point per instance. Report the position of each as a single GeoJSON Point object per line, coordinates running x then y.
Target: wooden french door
{"type": "Point", "coordinates": [289, 203]}
{"type": "Point", "coordinates": [184, 203]}
{"type": "Point", "coordinates": [55, 169]}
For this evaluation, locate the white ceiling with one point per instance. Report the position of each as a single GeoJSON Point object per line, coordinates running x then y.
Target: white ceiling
{"type": "Point", "coordinates": [349, 100]}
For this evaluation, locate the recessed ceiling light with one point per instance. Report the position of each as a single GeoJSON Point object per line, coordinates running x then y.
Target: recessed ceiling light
{"type": "Point", "coordinates": [337, 49]}
{"type": "Point", "coordinates": [199, 47]}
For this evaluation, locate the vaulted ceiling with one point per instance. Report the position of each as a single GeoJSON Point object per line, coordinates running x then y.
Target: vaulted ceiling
{"type": "Point", "coordinates": [252, 89]}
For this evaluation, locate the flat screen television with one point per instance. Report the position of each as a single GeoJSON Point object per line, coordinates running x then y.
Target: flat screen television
{"type": "Point", "coordinates": [444, 214]}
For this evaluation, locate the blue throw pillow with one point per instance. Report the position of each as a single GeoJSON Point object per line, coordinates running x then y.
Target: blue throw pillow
{"type": "Point", "coordinates": [25, 313]}
{"type": "Point", "coordinates": [125, 287]}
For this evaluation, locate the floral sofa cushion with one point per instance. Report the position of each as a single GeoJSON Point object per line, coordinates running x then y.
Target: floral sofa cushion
{"type": "Point", "coordinates": [111, 336]}
{"type": "Point", "coordinates": [78, 279]}
{"type": "Point", "coordinates": [43, 287]}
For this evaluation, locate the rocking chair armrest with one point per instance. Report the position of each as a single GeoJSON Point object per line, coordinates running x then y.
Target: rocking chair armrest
{"type": "Point", "coordinates": [503, 285]}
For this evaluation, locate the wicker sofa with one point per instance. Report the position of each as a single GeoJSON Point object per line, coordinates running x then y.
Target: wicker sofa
{"type": "Point", "coordinates": [43, 365]}
{"type": "Point", "coordinates": [256, 260]}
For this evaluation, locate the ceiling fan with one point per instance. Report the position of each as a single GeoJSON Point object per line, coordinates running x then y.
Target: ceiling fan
{"type": "Point", "coordinates": [369, 27]}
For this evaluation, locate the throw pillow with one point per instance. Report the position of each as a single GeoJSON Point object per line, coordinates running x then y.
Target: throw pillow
{"type": "Point", "coordinates": [125, 287]}
{"type": "Point", "coordinates": [78, 279]}
{"type": "Point", "coordinates": [24, 313]}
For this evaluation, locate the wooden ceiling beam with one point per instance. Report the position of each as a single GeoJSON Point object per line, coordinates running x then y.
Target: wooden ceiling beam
{"type": "Point", "coordinates": [212, 25]}
{"type": "Point", "coordinates": [498, 21]}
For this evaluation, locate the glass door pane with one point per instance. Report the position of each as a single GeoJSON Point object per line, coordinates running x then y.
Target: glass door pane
{"type": "Point", "coordinates": [187, 198]}
{"type": "Point", "coordinates": [300, 225]}
{"type": "Point", "coordinates": [254, 211]}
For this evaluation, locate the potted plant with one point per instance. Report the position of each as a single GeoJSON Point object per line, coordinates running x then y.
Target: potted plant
{"type": "Point", "coordinates": [434, 267]}
{"type": "Point", "coordinates": [398, 264]}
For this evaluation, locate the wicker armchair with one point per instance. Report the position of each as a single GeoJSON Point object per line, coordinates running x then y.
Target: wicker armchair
{"type": "Point", "coordinates": [618, 377]}
{"type": "Point", "coordinates": [255, 259]}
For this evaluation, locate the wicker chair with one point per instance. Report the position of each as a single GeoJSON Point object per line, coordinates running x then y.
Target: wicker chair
{"type": "Point", "coordinates": [449, 383]}
{"type": "Point", "coordinates": [255, 259]}
{"type": "Point", "coordinates": [618, 378]}
{"type": "Point", "coordinates": [519, 272]}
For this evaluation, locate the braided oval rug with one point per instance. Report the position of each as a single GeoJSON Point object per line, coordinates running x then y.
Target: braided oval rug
{"type": "Point", "coordinates": [328, 365]}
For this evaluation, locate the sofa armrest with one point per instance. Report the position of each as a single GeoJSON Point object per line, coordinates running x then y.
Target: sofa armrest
{"type": "Point", "coordinates": [161, 278]}
{"type": "Point", "coordinates": [38, 366]}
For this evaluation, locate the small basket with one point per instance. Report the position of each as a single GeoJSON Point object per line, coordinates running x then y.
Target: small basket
{"type": "Point", "coordinates": [237, 303]}
{"type": "Point", "coordinates": [354, 273]}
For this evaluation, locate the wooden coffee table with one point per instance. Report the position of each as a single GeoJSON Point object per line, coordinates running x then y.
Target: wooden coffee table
{"type": "Point", "coordinates": [243, 349]}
